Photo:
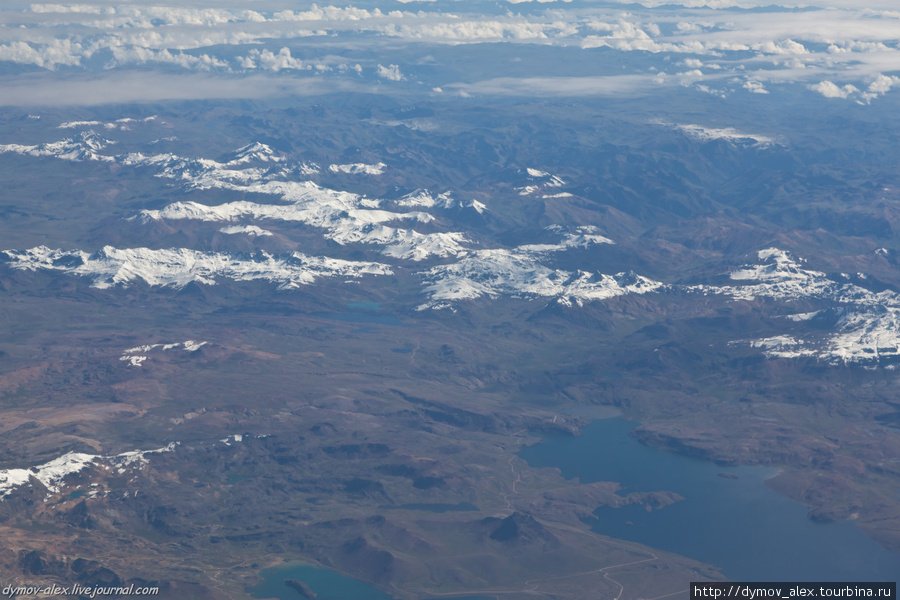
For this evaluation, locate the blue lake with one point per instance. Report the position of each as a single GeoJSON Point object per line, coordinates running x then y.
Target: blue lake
{"type": "Point", "coordinates": [328, 585]}
{"type": "Point", "coordinates": [729, 517]}
{"type": "Point", "coordinates": [374, 318]}
{"type": "Point", "coordinates": [363, 312]}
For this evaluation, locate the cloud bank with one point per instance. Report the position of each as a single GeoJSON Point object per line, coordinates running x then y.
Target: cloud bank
{"type": "Point", "coordinates": [836, 49]}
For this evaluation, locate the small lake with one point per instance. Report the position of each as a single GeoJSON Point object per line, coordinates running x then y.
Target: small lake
{"type": "Point", "coordinates": [363, 312]}
{"type": "Point", "coordinates": [327, 584]}
{"type": "Point", "coordinates": [729, 517]}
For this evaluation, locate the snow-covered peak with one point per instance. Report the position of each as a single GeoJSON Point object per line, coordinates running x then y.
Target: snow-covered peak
{"type": "Point", "coordinates": [576, 237]}
{"type": "Point", "coordinates": [778, 275]}
{"type": "Point", "coordinates": [411, 245]}
{"type": "Point", "coordinates": [123, 124]}
{"type": "Point", "coordinates": [425, 199]}
{"type": "Point", "coordinates": [52, 474]}
{"type": "Point", "coordinates": [49, 474]}
{"type": "Point", "coordinates": [445, 200]}
{"type": "Point", "coordinates": [546, 179]}
{"type": "Point", "coordinates": [867, 328]}
{"type": "Point", "coordinates": [358, 169]}
{"type": "Point", "coordinates": [139, 457]}
{"type": "Point", "coordinates": [540, 181]}
{"type": "Point", "coordinates": [777, 265]}
{"type": "Point", "coordinates": [477, 206]}
{"type": "Point", "coordinates": [254, 152]}
{"type": "Point", "coordinates": [177, 267]}
{"type": "Point", "coordinates": [138, 355]}
{"type": "Point", "coordinates": [84, 146]}
{"type": "Point", "coordinates": [582, 236]}
{"type": "Point", "coordinates": [502, 272]}
{"type": "Point", "coordinates": [729, 134]}
{"type": "Point", "coordinates": [251, 230]}
{"type": "Point", "coordinates": [344, 216]}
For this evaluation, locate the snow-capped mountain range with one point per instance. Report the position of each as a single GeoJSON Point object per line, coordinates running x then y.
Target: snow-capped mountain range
{"type": "Point", "coordinates": [51, 475]}
{"type": "Point", "coordinates": [137, 355]}
{"type": "Point", "coordinates": [728, 134]}
{"type": "Point", "coordinates": [865, 324]}
{"type": "Point", "coordinates": [542, 182]}
{"type": "Point", "coordinates": [177, 267]}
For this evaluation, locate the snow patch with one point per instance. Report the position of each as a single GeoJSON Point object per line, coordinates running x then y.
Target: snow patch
{"type": "Point", "coordinates": [84, 146]}
{"type": "Point", "coordinates": [543, 180]}
{"type": "Point", "coordinates": [867, 330]}
{"type": "Point", "coordinates": [802, 316]}
{"type": "Point", "coordinates": [53, 473]}
{"type": "Point", "coordinates": [251, 230]}
{"type": "Point", "coordinates": [729, 134]}
{"type": "Point", "coordinates": [358, 169]}
{"type": "Point", "coordinates": [501, 272]}
{"type": "Point", "coordinates": [49, 474]}
{"type": "Point", "coordinates": [122, 124]}
{"type": "Point", "coordinates": [137, 355]}
{"type": "Point", "coordinates": [177, 267]}
{"type": "Point", "coordinates": [254, 152]}
{"type": "Point", "coordinates": [426, 199]}
{"type": "Point", "coordinates": [138, 458]}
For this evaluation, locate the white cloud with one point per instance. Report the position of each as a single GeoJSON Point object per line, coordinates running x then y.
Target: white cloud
{"type": "Point", "coordinates": [390, 72]}
{"type": "Point", "coordinates": [883, 83]}
{"type": "Point", "coordinates": [69, 8]}
{"type": "Point", "coordinates": [120, 87]}
{"type": "Point", "coordinates": [832, 90]}
{"type": "Point", "coordinates": [781, 47]}
{"type": "Point", "coordinates": [47, 56]}
{"type": "Point", "coordinates": [841, 41]}
{"type": "Point", "coordinates": [130, 17]}
{"type": "Point", "coordinates": [685, 27]}
{"type": "Point", "coordinates": [755, 87]}
{"type": "Point", "coordinates": [613, 85]}
{"type": "Point", "coordinates": [137, 55]}
{"type": "Point", "coordinates": [856, 46]}
{"type": "Point", "coordinates": [331, 13]}
{"type": "Point", "coordinates": [269, 61]}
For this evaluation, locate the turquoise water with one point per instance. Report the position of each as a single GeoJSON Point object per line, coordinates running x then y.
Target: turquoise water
{"type": "Point", "coordinates": [729, 517]}
{"type": "Point", "coordinates": [328, 585]}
